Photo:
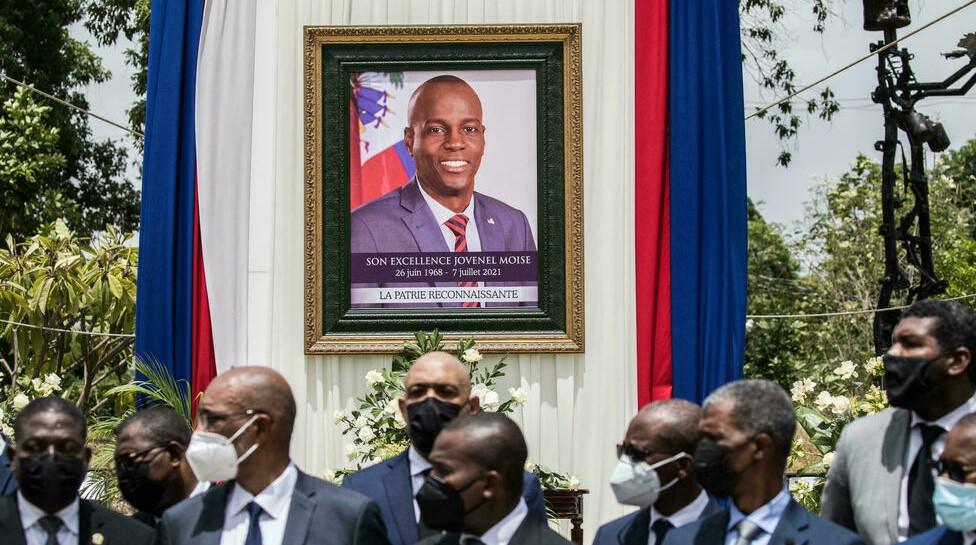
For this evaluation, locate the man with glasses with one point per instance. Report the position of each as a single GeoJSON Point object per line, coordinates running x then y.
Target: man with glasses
{"type": "Point", "coordinates": [881, 482]}
{"type": "Point", "coordinates": [955, 489]}
{"type": "Point", "coordinates": [436, 391]}
{"type": "Point", "coordinates": [655, 473]}
{"type": "Point", "coordinates": [151, 464]}
{"type": "Point", "coordinates": [50, 459]}
{"type": "Point", "coordinates": [244, 428]}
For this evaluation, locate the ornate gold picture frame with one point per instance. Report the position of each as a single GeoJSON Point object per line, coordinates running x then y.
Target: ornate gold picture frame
{"type": "Point", "coordinates": [350, 121]}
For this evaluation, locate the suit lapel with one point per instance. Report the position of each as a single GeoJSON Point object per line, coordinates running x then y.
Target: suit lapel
{"type": "Point", "coordinates": [792, 526]}
{"type": "Point", "coordinates": [712, 530]}
{"type": "Point", "coordinates": [10, 527]}
{"type": "Point", "coordinates": [421, 223]}
{"type": "Point", "coordinates": [5, 474]}
{"type": "Point", "coordinates": [301, 511]}
{"type": "Point", "coordinates": [528, 533]}
{"type": "Point", "coordinates": [399, 494]}
{"type": "Point", "coordinates": [211, 522]}
{"type": "Point", "coordinates": [637, 532]}
{"type": "Point", "coordinates": [893, 465]}
{"type": "Point", "coordinates": [489, 226]}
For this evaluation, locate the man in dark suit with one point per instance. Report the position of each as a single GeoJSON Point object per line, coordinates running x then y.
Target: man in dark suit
{"type": "Point", "coordinates": [244, 427]}
{"type": "Point", "coordinates": [474, 490]}
{"type": "Point", "coordinates": [746, 432]}
{"type": "Point", "coordinates": [50, 460]}
{"type": "Point", "coordinates": [150, 462]}
{"type": "Point", "coordinates": [881, 482]}
{"type": "Point", "coordinates": [955, 490]}
{"type": "Point", "coordinates": [661, 440]}
{"type": "Point", "coordinates": [437, 389]}
{"type": "Point", "coordinates": [439, 210]}
{"type": "Point", "coordinates": [8, 483]}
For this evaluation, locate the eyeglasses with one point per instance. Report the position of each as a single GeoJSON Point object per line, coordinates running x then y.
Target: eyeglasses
{"type": "Point", "coordinates": [633, 452]}
{"type": "Point", "coordinates": [956, 471]}
{"type": "Point", "coordinates": [129, 459]}
{"type": "Point", "coordinates": [208, 419]}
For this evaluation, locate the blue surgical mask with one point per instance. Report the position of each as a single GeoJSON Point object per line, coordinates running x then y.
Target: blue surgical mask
{"type": "Point", "coordinates": [955, 503]}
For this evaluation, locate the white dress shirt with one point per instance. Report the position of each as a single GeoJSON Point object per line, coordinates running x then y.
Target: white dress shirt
{"type": "Point", "coordinates": [275, 500]}
{"type": "Point", "coordinates": [766, 517]}
{"type": "Point", "coordinates": [418, 465]}
{"type": "Point", "coordinates": [915, 444]}
{"type": "Point", "coordinates": [31, 515]}
{"type": "Point", "coordinates": [442, 214]}
{"type": "Point", "coordinates": [501, 533]}
{"type": "Point", "coordinates": [686, 515]}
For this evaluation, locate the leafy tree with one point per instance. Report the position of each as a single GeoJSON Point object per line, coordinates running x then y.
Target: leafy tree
{"type": "Point", "coordinates": [87, 188]}
{"type": "Point", "coordinates": [763, 60]}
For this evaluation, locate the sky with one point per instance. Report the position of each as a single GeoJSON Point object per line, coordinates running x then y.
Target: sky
{"type": "Point", "coordinates": [821, 150]}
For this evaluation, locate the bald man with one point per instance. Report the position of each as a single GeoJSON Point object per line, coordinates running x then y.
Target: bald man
{"type": "Point", "coordinates": [655, 473]}
{"type": "Point", "coordinates": [244, 427]}
{"type": "Point", "coordinates": [473, 491]}
{"type": "Point", "coordinates": [436, 391]}
{"type": "Point", "coordinates": [439, 210]}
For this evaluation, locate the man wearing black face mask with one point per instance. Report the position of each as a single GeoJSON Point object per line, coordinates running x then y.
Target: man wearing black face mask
{"type": "Point", "coordinates": [655, 473]}
{"type": "Point", "coordinates": [436, 391]}
{"type": "Point", "coordinates": [150, 462]}
{"type": "Point", "coordinates": [882, 479]}
{"type": "Point", "coordinates": [746, 433]}
{"type": "Point", "coordinates": [473, 492]}
{"type": "Point", "coordinates": [50, 460]}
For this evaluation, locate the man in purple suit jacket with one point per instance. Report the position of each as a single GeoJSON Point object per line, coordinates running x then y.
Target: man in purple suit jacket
{"type": "Point", "coordinates": [447, 140]}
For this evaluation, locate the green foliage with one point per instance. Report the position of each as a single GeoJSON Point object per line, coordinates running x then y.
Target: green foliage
{"type": "Point", "coordinates": [85, 186]}
{"type": "Point", "coordinates": [57, 280]}
{"type": "Point", "coordinates": [761, 28]}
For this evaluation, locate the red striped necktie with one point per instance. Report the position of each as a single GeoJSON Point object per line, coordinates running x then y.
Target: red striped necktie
{"type": "Point", "coordinates": [458, 225]}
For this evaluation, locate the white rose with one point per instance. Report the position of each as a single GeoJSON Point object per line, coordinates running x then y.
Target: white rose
{"type": "Point", "coordinates": [846, 369]}
{"type": "Point", "coordinates": [529, 466]}
{"type": "Point", "coordinates": [37, 383]}
{"type": "Point", "coordinates": [574, 483]}
{"type": "Point", "coordinates": [351, 452]}
{"type": "Point", "coordinates": [366, 434]}
{"type": "Point", "coordinates": [824, 400]}
{"type": "Point", "coordinates": [393, 407]}
{"type": "Point", "coordinates": [801, 388]}
{"type": "Point", "coordinates": [479, 391]}
{"type": "Point", "coordinates": [518, 395]}
{"type": "Point", "coordinates": [374, 377]}
{"type": "Point", "coordinates": [20, 401]}
{"type": "Point", "coordinates": [361, 422]}
{"type": "Point", "coordinates": [749, 325]}
{"type": "Point", "coordinates": [840, 404]}
{"type": "Point", "coordinates": [828, 459]}
{"type": "Point", "coordinates": [471, 355]}
{"type": "Point", "coordinates": [873, 364]}
{"type": "Point", "coordinates": [340, 416]}
{"type": "Point", "coordinates": [54, 380]}
{"type": "Point", "coordinates": [490, 400]}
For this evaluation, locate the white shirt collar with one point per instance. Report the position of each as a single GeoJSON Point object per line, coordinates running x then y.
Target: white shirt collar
{"type": "Point", "coordinates": [501, 533]}
{"type": "Point", "coordinates": [947, 421]}
{"type": "Point", "coordinates": [768, 514]}
{"type": "Point", "coordinates": [274, 499]}
{"type": "Point", "coordinates": [441, 212]}
{"type": "Point", "coordinates": [685, 515]}
{"type": "Point", "coordinates": [418, 464]}
{"type": "Point", "coordinates": [30, 513]}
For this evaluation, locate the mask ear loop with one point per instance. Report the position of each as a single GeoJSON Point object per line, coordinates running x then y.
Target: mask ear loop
{"type": "Point", "coordinates": [238, 433]}
{"type": "Point", "coordinates": [666, 461]}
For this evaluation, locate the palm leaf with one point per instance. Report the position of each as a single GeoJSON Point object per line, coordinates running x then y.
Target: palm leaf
{"type": "Point", "coordinates": [158, 387]}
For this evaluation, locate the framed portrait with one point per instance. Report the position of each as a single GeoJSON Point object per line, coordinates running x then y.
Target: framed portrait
{"type": "Point", "coordinates": [443, 186]}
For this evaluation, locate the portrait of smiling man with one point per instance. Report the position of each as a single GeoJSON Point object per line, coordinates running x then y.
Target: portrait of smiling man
{"type": "Point", "coordinates": [439, 209]}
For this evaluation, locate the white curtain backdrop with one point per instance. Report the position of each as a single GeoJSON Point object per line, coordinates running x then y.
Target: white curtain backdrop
{"type": "Point", "coordinates": [578, 405]}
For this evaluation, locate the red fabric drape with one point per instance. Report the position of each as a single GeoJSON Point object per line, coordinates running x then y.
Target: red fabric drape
{"type": "Point", "coordinates": [651, 201]}
{"type": "Point", "coordinates": [204, 366]}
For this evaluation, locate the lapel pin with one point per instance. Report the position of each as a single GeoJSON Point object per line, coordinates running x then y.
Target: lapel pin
{"type": "Point", "coordinates": [491, 221]}
{"type": "Point", "coordinates": [97, 539]}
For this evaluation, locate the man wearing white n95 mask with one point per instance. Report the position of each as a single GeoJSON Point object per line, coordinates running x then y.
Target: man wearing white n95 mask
{"type": "Point", "coordinates": [244, 427]}
{"type": "Point", "coordinates": [654, 472]}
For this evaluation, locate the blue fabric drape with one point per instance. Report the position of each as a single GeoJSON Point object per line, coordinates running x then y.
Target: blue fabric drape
{"type": "Point", "coordinates": [708, 196]}
{"type": "Point", "coordinates": [163, 308]}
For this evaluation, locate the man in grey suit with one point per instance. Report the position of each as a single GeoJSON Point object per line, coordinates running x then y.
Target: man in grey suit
{"type": "Point", "coordinates": [882, 478]}
{"type": "Point", "coordinates": [746, 433]}
{"type": "Point", "coordinates": [473, 492]}
{"type": "Point", "coordinates": [439, 210]}
{"type": "Point", "coordinates": [244, 426]}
